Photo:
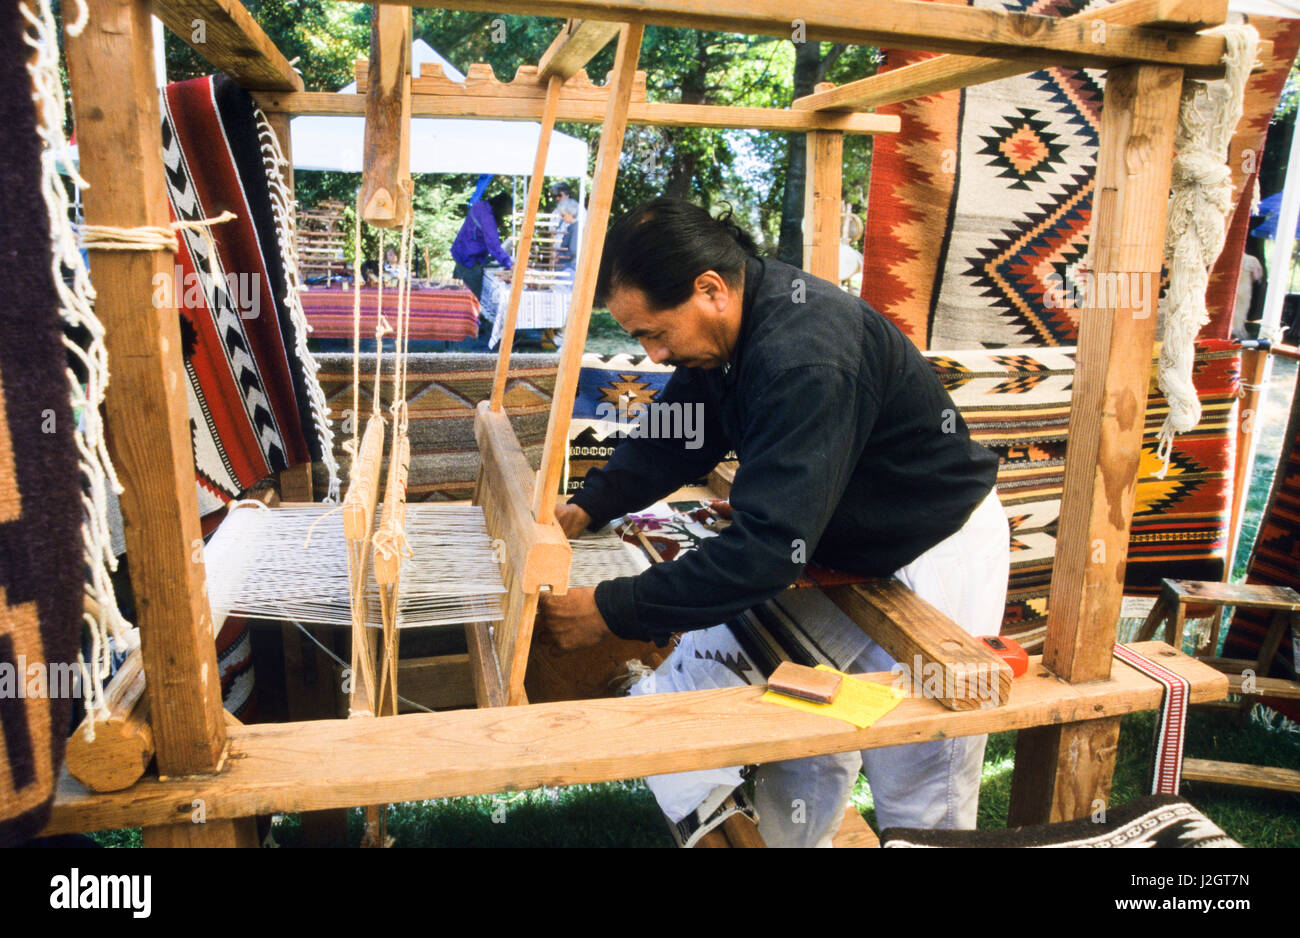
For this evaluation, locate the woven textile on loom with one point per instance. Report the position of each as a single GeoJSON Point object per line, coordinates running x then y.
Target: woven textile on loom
{"type": "Point", "coordinates": [41, 570]}
{"type": "Point", "coordinates": [1017, 403]}
{"type": "Point", "coordinates": [442, 391]}
{"type": "Point", "coordinates": [1274, 561]}
{"type": "Point", "coordinates": [445, 314]}
{"type": "Point", "coordinates": [248, 404]}
{"type": "Point", "coordinates": [986, 194]}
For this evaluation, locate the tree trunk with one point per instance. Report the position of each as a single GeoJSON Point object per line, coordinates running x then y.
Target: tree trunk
{"type": "Point", "coordinates": [807, 70]}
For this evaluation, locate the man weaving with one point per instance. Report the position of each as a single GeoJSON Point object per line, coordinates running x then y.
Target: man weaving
{"type": "Point", "coordinates": [851, 454]}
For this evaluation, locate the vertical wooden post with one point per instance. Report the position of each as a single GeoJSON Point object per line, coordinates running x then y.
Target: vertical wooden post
{"type": "Point", "coordinates": [385, 199]}
{"type": "Point", "coordinates": [823, 192]}
{"type": "Point", "coordinates": [1063, 772]}
{"type": "Point", "coordinates": [525, 245]}
{"type": "Point", "coordinates": [584, 290]}
{"type": "Point", "coordinates": [110, 66]}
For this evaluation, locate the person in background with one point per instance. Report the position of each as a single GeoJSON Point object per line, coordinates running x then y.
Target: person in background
{"type": "Point", "coordinates": [393, 269]}
{"type": "Point", "coordinates": [369, 274]}
{"type": "Point", "coordinates": [479, 242]}
{"type": "Point", "coordinates": [566, 254]}
{"type": "Point", "coordinates": [564, 203]}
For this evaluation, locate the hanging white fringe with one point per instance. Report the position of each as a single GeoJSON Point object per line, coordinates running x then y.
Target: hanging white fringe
{"type": "Point", "coordinates": [292, 563]}
{"type": "Point", "coordinates": [286, 223]}
{"type": "Point", "coordinates": [76, 305]}
{"type": "Point", "coordinates": [1198, 218]}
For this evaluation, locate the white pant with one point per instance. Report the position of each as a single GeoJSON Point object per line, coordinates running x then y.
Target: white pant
{"type": "Point", "coordinates": [929, 785]}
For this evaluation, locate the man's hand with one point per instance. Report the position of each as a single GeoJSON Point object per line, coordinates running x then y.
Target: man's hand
{"type": "Point", "coordinates": [572, 620]}
{"type": "Point", "coordinates": [573, 520]}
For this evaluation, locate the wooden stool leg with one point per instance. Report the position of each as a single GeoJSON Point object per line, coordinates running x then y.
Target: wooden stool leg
{"type": "Point", "coordinates": [1267, 652]}
{"type": "Point", "coordinates": [1158, 614]}
{"type": "Point", "coordinates": [1174, 630]}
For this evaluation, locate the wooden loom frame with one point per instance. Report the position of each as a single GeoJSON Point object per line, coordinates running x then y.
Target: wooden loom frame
{"type": "Point", "coordinates": [1067, 707]}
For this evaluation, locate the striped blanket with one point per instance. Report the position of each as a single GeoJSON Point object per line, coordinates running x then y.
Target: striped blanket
{"type": "Point", "coordinates": [982, 203]}
{"type": "Point", "coordinates": [247, 400]}
{"type": "Point", "coordinates": [442, 390]}
{"type": "Point", "coordinates": [446, 314]}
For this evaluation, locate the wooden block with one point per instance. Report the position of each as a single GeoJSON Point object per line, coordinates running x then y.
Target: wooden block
{"type": "Point", "coordinates": [936, 650]}
{"type": "Point", "coordinates": [854, 831]}
{"type": "Point", "coordinates": [123, 746]}
{"type": "Point", "coordinates": [804, 683]}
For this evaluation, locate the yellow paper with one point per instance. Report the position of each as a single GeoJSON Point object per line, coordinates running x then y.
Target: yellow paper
{"type": "Point", "coordinates": [859, 702]}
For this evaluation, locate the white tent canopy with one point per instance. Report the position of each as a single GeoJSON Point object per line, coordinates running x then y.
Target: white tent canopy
{"type": "Point", "coordinates": [439, 145]}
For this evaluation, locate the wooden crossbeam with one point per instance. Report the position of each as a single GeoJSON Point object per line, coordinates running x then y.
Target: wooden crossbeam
{"type": "Point", "coordinates": [276, 767]}
{"type": "Point", "coordinates": [481, 82]}
{"type": "Point", "coordinates": [947, 72]}
{"type": "Point", "coordinates": [226, 35]}
{"type": "Point", "coordinates": [529, 108]}
{"type": "Point", "coordinates": [574, 47]}
{"type": "Point", "coordinates": [903, 24]}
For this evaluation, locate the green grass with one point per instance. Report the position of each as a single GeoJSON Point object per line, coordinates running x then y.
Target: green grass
{"type": "Point", "coordinates": [606, 337]}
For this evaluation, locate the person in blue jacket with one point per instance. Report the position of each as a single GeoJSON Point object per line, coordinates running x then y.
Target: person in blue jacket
{"type": "Point", "coordinates": [479, 242]}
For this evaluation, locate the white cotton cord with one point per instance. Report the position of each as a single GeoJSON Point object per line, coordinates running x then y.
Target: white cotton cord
{"type": "Point", "coordinates": [1198, 218]}
{"type": "Point", "coordinates": [263, 564]}
{"type": "Point", "coordinates": [603, 556]}
{"type": "Point", "coordinates": [102, 619]}
{"type": "Point", "coordinates": [283, 207]}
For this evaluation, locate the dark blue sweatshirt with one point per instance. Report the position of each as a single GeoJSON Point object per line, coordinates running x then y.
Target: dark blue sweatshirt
{"type": "Point", "coordinates": [851, 454]}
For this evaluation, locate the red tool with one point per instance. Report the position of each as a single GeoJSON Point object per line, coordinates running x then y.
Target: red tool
{"type": "Point", "coordinates": [1009, 650]}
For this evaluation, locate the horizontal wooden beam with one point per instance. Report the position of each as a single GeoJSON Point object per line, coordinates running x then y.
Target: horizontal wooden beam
{"type": "Point", "coordinates": [226, 35]}
{"type": "Point", "coordinates": [949, 72]}
{"type": "Point", "coordinates": [276, 767]}
{"type": "Point", "coordinates": [574, 47]}
{"type": "Point", "coordinates": [903, 24]}
{"type": "Point", "coordinates": [312, 103]}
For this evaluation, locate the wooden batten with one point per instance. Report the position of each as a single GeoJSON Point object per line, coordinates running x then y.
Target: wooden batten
{"type": "Point", "coordinates": [392, 520]}
{"type": "Point", "coordinates": [901, 24]}
{"type": "Point", "coordinates": [927, 643]}
{"type": "Point", "coordinates": [115, 102]}
{"type": "Point", "coordinates": [123, 746]}
{"type": "Point", "coordinates": [574, 47]}
{"type": "Point", "coordinates": [223, 33]}
{"type": "Point", "coordinates": [386, 176]}
{"type": "Point", "coordinates": [948, 72]}
{"type": "Point", "coordinates": [590, 112]}
{"type": "Point", "coordinates": [276, 767]}
{"type": "Point", "coordinates": [535, 555]}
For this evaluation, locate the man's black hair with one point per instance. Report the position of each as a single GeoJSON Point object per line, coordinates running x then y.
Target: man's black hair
{"type": "Point", "coordinates": [561, 187]}
{"type": "Point", "coordinates": [662, 246]}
